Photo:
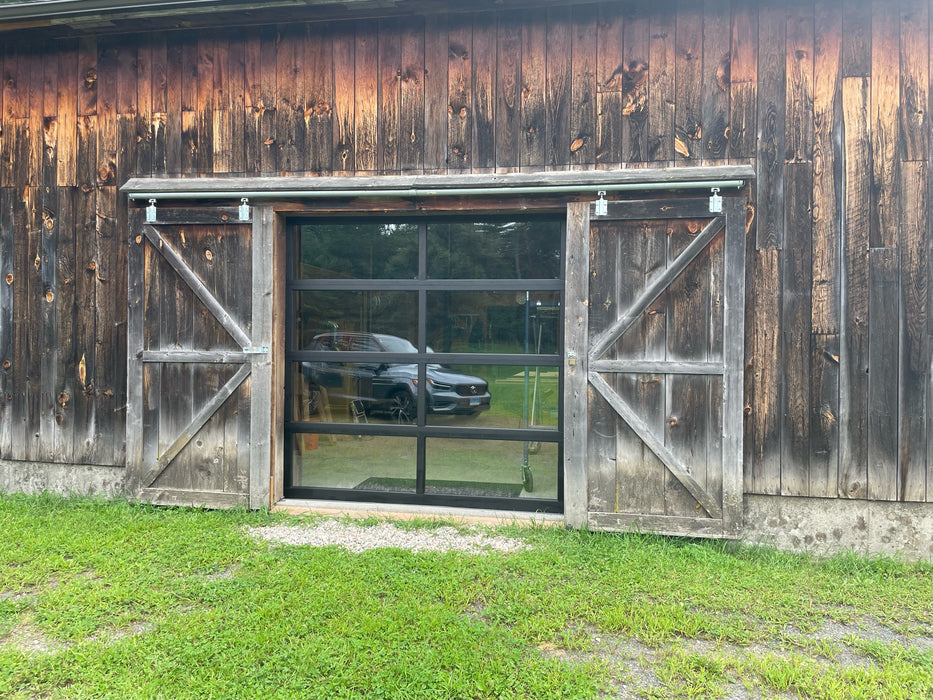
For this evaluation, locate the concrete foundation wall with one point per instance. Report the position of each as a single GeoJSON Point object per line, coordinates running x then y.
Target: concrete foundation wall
{"type": "Point", "coordinates": [65, 479]}
{"type": "Point", "coordinates": [826, 526]}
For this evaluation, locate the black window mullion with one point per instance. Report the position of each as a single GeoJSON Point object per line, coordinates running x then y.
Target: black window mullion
{"type": "Point", "coordinates": [494, 285]}
{"type": "Point", "coordinates": [422, 400]}
{"type": "Point", "coordinates": [355, 285]}
{"type": "Point", "coordinates": [291, 234]}
{"type": "Point", "coordinates": [290, 243]}
{"type": "Point", "coordinates": [354, 356]}
{"type": "Point", "coordinates": [462, 358]}
{"type": "Point", "coordinates": [487, 285]}
{"type": "Point", "coordinates": [560, 356]}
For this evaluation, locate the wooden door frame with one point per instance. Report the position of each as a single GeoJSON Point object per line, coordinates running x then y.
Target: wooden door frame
{"type": "Point", "coordinates": [576, 369]}
{"type": "Point", "coordinates": [263, 436]}
{"type": "Point", "coordinates": [256, 357]}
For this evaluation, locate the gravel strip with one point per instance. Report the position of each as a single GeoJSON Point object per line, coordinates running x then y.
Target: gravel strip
{"type": "Point", "coordinates": [356, 538]}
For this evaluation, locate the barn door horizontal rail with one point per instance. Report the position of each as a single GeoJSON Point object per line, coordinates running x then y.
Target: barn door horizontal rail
{"type": "Point", "coordinates": [449, 192]}
{"type": "Point", "coordinates": [724, 177]}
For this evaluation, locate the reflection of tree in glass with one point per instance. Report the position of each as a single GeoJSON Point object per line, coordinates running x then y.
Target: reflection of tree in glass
{"type": "Point", "coordinates": [494, 250]}
{"type": "Point", "coordinates": [359, 251]}
{"type": "Point", "coordinates": [456, 250]}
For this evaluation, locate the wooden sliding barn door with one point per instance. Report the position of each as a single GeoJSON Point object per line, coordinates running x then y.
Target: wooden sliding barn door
{"type": "Point", "coordinates": [199, 325]}
{"type": "Point", "coordinates": [654, 334]}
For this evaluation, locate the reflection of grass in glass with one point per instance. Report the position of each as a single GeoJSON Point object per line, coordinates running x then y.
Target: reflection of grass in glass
{"type": "Point", "coordinates": [510, 393]}
{"type": "Point", "coordinates": [350, 461]}
{"type": "Point", "coordinates": [498, 461]}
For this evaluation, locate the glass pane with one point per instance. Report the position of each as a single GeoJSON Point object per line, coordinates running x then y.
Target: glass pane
{"type": "Point", "coordinates": [494, 250]}
{"type": "Point", "coordinates": [351, 462]}
{"type": "Point", "coordinates": [493, 468]}
{"type": "Point", "coordinates": [354, 392]}
{"type": "Point", "coordinates": [505, 396]}
{"type": "Point", "coordinates": [494, 322]}
{"type": "Point", "coordinates": [363, 250]}
{"type": "Point", "coordinates": [343, 315]}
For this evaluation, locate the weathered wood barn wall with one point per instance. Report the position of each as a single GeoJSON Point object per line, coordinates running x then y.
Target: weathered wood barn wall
{"type": "Point", "coordinates": [828, 99]}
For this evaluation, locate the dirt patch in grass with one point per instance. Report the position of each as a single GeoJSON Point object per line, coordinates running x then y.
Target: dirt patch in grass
{"type": "Point", "coordinates": [639, 667]}
{"type": "Point", "coordinates": [224, 575]}
{"type": "Point", "coordinates": [31, 592]}
{"type": "Point", "coordinates": [30, 640]}
{"type": "Point", "coordinates": [27, 638]}
{"type": "Point", "coordinates": [133, 630]}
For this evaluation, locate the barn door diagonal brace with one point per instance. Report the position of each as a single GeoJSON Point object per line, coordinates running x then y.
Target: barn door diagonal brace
{"type": "Point", "coordinates": [202, 292]}
{"type": "Point", "coordinates": [670, 460]}
{"type": "Point", "coordinates": [198, 422]}
{"type": "Point", "coordinates": [653, 290]}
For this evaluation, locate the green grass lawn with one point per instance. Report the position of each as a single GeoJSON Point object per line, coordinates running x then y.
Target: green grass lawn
{"type": "Point", "coordinates": [101, 599]}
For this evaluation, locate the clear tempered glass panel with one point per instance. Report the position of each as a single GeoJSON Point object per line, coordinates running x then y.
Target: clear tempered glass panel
{"type": "Point", "coordinates": [493, 468]}
{"type": "Point", "coordinates": [494, 322]}
{"type": "Point", "coordinates": [494, 249]}
{"type": "Point", "coordinates": [354, 392]}
{"type": "Point", "coordinates": [338, 320]}
{"type": "Point", "coordinates": [351, 462]}
{"type": "Point", "coordinates": [493, 396]}
{"type": "Point", "coordinates": [362, 250]}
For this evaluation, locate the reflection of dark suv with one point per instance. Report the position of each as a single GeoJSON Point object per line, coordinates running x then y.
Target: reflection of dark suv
{"type": "Point", "coordinates": [391, 388]}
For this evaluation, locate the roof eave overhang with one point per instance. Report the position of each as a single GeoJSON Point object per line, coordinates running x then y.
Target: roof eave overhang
{"type": "Point", "coordinates": [90, 16]}
{"type": "Point", "coordinates": [64, 11]}
{"type": "Point", "coordinates": [80, 17]}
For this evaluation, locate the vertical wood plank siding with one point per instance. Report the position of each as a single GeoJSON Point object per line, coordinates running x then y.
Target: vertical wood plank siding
{"type": "Point", "coordinates": [829, 99]}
